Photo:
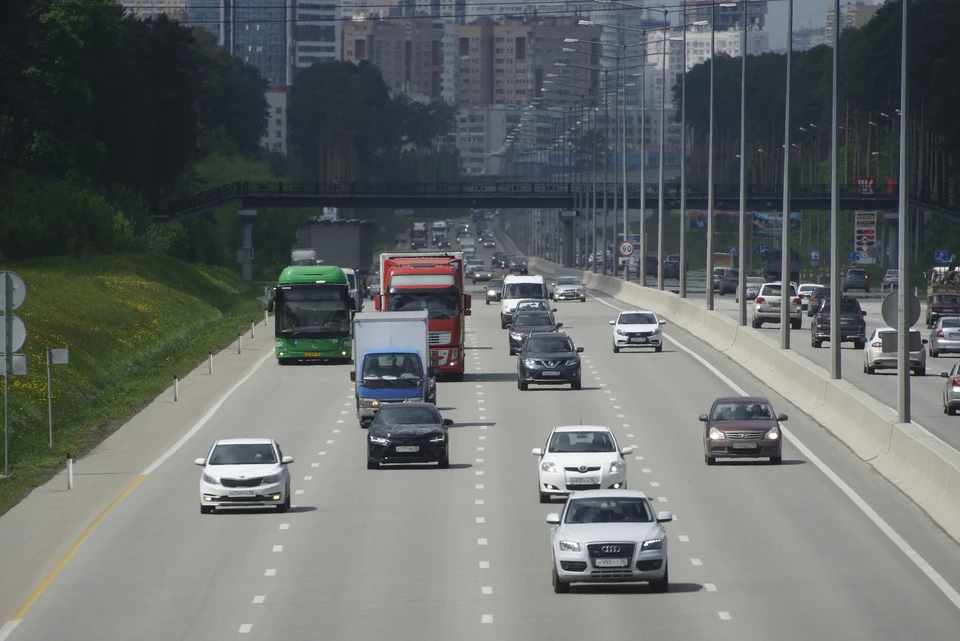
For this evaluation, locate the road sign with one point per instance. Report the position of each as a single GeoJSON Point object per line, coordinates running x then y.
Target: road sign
{"type": "Point", "coordinates": [941, 256]}
{"type": "Point", "coordinates": [762, 249]}
{"type": "Point", "coordinates": [814, 257]}
{"type": "Point", "coordinates": [733, 251]}
{"type": "Point", "coordinates": [625, 249]}
{"type": "Point", "coordinates": [889, 309]}
{"type": "Point", "coordinates": [18, 367]}
{"type": "Point", "coordinates": [19, 290]}
{"type": "Point", "coordinates": [853, 257]}
{"type": "Point", "coordinates": [19, 334]}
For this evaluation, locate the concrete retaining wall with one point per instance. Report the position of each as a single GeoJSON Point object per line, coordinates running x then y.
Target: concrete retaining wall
{"type": "Point", "coordinates": [920, 464]}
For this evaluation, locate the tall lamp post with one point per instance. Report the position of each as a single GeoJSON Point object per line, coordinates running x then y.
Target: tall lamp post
{"type": "Point", "coordinates": [785, 241]}
{"type": "Point", "coordinates": [835, 361]}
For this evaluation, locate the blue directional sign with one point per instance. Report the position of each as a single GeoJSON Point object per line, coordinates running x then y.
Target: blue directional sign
{"type": "Point", "coordinates": [941, 256]}
{"type": "Point", "coordinates": [762, 249]}
{"type": "Point", "coordinates": [814, 257]}
{"type": "Point", "coordinates": [853, 257]}
{"type": "Point", "coordinates": [733, 251]}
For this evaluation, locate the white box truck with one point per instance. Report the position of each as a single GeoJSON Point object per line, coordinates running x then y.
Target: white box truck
{"type": "Point", "coordinates": [391, 360]}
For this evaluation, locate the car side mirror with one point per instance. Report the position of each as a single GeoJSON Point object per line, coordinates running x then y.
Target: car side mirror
{"type": "Point", "coordinates": [782, 417]}
{"type": "Point", "coordinates": [944, 375]}
{"type": "Point", "coordinates": [704, 418]}
{"type": "Point", "coordinates": [553, 518]}
{"type": "Point", "coordinates": [579, 350]}
{"type": "Point", "coordinates": [554, 309]}
{"type": "Point", "coordinates": [612, 323]}
{"type": "Point", "coordinates": [537, 451]}
{"type": "Point", "coordinates": [467, 312]}
{"type": "Point", "coordinates": [286, 460]}
{"type": "Point", "coordinates": [925, 341]}
{"type": "Point", "coordinates": [627, 450]}
{"type": "Point", "coordinates": [202, 461]}
{"type": "Point", "coordinates": [664, 517]}
{"type": "Point", "coordinates": [863, 313]}
{"type": "Point", "coordinates": [559, 325]}
{"type": "Point", "coordinates": [447, 422]}
{"type": "Point", "coordinates": [353, 377]}
{"type": "Point", "coordinates": [663, 322]}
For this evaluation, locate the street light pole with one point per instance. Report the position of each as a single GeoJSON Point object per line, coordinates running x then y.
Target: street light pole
{"type": "Point", "coordinates": [903, 329]}
{"type": "Point", "coordinates": [606, 164]}
{"type": "Point", "coordinates": [642, 256]}
{"type": "Point", "coordinates": [835, 362]}
{"type": "Point", "coordinates": [785, 242]}
{"type": "Point", "coordinates": [710, 189]}
{"type": "Point", "coordinates": [742, 236]}
{"type": "Point", "coordinates": [683, 166]}
{"type": "Point", "coordinates": [623, 115]}
{"type": "Point", "coordinates": [663, 137]}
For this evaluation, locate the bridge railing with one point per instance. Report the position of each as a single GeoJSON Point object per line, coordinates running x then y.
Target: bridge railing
{"type": "Point", "coordinates": [948, 199]}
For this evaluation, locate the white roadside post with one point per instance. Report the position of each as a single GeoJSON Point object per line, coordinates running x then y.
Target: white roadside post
{"type": "Point", "coordinates": [55, 356]}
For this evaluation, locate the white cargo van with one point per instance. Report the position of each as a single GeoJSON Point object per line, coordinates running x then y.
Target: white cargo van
{"type": "Point", "coordinates": [515, 289]}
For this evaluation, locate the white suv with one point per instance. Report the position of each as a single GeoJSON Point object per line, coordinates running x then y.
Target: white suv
{"type": "Point", "coordinates": [766, 307]}
{"type": "Point", "coordinates": [515, 289]}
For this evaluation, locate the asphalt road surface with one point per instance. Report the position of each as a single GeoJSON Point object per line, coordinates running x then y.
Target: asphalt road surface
{"type": "Point", "coordinates": [756, 551]}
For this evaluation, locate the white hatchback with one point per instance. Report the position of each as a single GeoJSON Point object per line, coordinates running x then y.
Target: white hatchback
{"type": "Point", "coordinates": [242, 472]}
{"type": "Point", "coordinates": [637, 329]}
{"type": "Point", "coordinates": [580, 457]}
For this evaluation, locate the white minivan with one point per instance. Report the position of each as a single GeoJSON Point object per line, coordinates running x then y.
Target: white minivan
{"type": "Point", "coordinates": [515, 289]}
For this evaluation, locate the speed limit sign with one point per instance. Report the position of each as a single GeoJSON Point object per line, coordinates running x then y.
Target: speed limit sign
{"type": "Point", "coordinates": [626, 249]}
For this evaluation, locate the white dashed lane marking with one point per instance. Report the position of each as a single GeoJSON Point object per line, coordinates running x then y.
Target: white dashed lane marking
{"type": "Point", "coordinates": [484, 565]}
{"type": "Point", "coordinates": [709, 587]}
{"type": "Point", "coordinates": [654, 484]}
{"type": "Point", "coordinates": [481, 519]}
{"type": "Point", "coordinates": [697, 562]}
{"type": "Point", "coordinates": [486, 590]}
{"type": "Point", "coordinates": [284, 526]}
{"type": "Point", "coordinates": [486, 618]}
{"type": "Point", "coordinates": [299, 492]}
{"type": "Point", "coordinates": [245, 628]}
{"type": "Point", "coordinates": [270, 572]}
{"type": "Point", "coordinates": [481, 541]}
{"type": "Point", "coordinates": [724, 616]}
{"type": "Point", "coordinates": [278, 548]}
{"type": "Point", "coordinates": [259, 598]}
{"type": "Point", "coordinates": [683, 538]}
{"type": "Point", "coordinates": [478, 486]}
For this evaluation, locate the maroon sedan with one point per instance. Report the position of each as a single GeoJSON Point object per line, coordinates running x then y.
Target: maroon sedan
{"type": "Point", "coordinates": [940, 305]}
{"type": "Point", "coordinates": [742, 427]}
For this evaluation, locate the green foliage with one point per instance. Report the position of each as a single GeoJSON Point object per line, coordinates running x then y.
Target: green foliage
{"type": "Point", "coordinates": [131, 323]}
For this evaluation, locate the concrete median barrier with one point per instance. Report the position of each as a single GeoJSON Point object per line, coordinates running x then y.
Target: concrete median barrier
{"type": "Point", "coordinates": [921, 465]}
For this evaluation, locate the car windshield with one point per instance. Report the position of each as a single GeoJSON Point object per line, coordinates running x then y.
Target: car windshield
{"type": "Point", "coordinates": [567, 442]}
{"type": "Point", "coordinates": [754, 280]}
{"type": "Point", "coordinates": [807, 289]}
{"type": "Point", "coordinates": [637, 318]}
{"type": "Point", "coordinates": [495, 284]}
{"type": "Point", "coordinates": [310, 311]}
{"type": "Point", "coordinates": [892, 272]}
{"type": "Point", "coordinates": [609, 510]}
{"type": "Point", "coordinates": [569, 280]}
{"type": "Point", "coordinates": [774, 290]}
{"type": "Point", "coordinates": [533, 320]}
{"type": "Point", "coordinates": [952, 321]}
{"type": "Point", "coordinates": [548, 345]}
{"type": "Point", "coordinates": [382, 371]}
{"type": "Point", "coordinates": [438, 306]}
{"type": "Point", "coordinates": [400, 415]}
{"type": "Point", "coordinates": [523, 290]}
{"type": "Point", "coordinates": [743, 411]}
{"type": "Point", "coordinates": [243, 454]}
{"type": "Point", "coordinates": [532, 304]}
{"type": "Point", "coordinates": [856, 272]}
{"type": "Point", "coordinates": [821, 292]}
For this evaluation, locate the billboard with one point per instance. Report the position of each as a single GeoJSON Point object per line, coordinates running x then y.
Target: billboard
{"type": "Point", "coordinates": [698, 217]}
{"type": "Point", "coordinates": [865, 236]}
{"type": "Point", "coordinates": [771, 223]}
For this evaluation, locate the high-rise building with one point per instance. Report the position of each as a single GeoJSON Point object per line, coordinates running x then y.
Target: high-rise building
{"type": "Point", "coordinates": [275, 135]}
{"type": "Point", "coordinates": [852, 16]}
{"type": "Point", "coordinates": [173, 9]}
{"type": "Point", "coordinates": [480, 132]}
{"type": "Point", "coordinates": [726, 17]}
{"type": "Point", "coordinates": [807, 38]}
{"type": "Point", "coordinates": [315, 34]}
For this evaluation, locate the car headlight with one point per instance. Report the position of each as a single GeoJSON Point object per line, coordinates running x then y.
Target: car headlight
{"type": "Point", "coordinates": [774, 433]}
{"type": "Point", "coordinates": [529, 362]}
{"type": "Point", "coordinates": [369, 402]}
{"type": "Point", "coordinates": [616, 467]}
{"type": "Point", "coordinates": [652, 544]}
{"type": "Point", "coordinates": [569, 546]}
{"type": "Point", "coordinates": [414, 399]}
{"type": "Point", "coordinates": [273, 478]}
{"type": "Point", "coordinates": [377, 440]}
{"type": "Point", "coordinates": [656, 331]}
{"type": "Point", "coordinates": [212, 480]}
{"type": "Point", "coordinates": [620, 332]}
{"type": "Point", "coordinates": [439, 439]}
{"type": "Point", "coordinates": [572, 361]}
{"type": "Point", "coordinates": [715, 434]}
{"type": "Point", "coordinates": [516, 335]}
{"type": "Point", "coordinates": [547, 466]}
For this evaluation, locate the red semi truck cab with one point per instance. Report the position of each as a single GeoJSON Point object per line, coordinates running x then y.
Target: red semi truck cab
{"type": "Point", "coordinates": [434, 282]}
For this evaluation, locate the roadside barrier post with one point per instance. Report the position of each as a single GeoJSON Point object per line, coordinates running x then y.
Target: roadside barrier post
{"type": "Point", "coordinates": [253, 331]}
{"type": "Point", "coordinates": [69, 471]}
{"type": "Point", "coordinates": [210, 355]}
{"type": "Point", "coordinates": [176, 388]}
{"type": "Point", "coordinates": [239, 342]}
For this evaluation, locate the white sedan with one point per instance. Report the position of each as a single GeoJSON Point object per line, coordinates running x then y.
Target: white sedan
{"type": "Point", "coordinates": [580, 457]}
{"type": "Point", "coordinates": [637, 329]}
{"type": "Point", "coordinates": [609, 537]}
{"type": "Point", "coordinates": [242, 472]}
{"type": "Point", "coordinates": [880, 352]}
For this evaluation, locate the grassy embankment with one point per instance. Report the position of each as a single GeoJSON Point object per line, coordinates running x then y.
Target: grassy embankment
{"type": "Point", "coordinates": [131, 323]}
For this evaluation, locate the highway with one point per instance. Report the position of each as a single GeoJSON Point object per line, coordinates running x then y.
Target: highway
{"type": "Point", "coordinates": [756, 551]}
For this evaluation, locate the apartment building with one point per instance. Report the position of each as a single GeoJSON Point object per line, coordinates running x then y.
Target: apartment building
{"type": "Point", "coordinates": [275, 135]}
{"type": "Point", "coordinates": [173, 9]}
{"type": "Point", "coordinates": [852, 16]}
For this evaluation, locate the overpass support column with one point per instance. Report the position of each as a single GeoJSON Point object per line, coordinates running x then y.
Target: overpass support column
{"type": "Point", "coordinates": [568, 225]}
{"type": "Point", "coordinates": [245, 253]}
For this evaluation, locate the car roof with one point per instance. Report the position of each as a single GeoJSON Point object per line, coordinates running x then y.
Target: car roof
{"type": "Point", "coordinates": [636, 311]}
{"type": "Point", "coordinates": [243, 441]}
{"type": "Point", "coordinates": [548, 335]}
{"type": "Point", "coordinates": [742, 399]}
{"type": "Point", "coordinates": [582, 428]}
{"type": "Point", "coordinates": [395, 405]}
{"type": "Point", "coordinates": [524, 279]}
{"type": "Point", "coordinates": [612, 494]}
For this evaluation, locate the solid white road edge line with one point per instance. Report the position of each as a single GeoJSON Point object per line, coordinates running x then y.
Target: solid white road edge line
{"type": "Point", "coordinates": [203, 419]}
{"type": "Point", "coordinates": [8, 628]}
{"type": "Point", "coordinates": [921, 563]}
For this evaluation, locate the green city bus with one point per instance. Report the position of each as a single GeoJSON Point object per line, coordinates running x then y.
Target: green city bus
{"type": "Point", "coordinates": [313, 309]}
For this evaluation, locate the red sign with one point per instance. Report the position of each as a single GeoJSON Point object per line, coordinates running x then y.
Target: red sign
{"type": "Point", "coordinates": [866, 185]}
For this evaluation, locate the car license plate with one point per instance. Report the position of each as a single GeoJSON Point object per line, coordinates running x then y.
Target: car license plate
{"type": "Point", "coordinates": [583, 480]}
{"type": "Point", "coordinates": [953, 336]}
{"type": "Point", "coordinates": [312, 354]}
{"type": "Point", "coordinates": [638, 340]}
{"type": "Point", "coordinates": [611, 563]}
{"type": "Point", "coordinates": [241, 493]}
{"type": "Point", "coordinates": [408, 448]}
{"type": "Point", "coordinates": [744, 446]}
{"type": "Point", "coordinates": [550, 373]}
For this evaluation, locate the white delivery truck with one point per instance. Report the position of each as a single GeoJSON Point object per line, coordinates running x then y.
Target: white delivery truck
{"type": "Point", "coordinates": [391, 361]}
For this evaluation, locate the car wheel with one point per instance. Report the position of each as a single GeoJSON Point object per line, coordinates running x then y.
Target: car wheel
{"type": "Point", "coordinates": [933, 354]}
{"type": "Point", "coordinates": [951, 410]}
{"type": "Point", "coordinates": [662, 585]}
{"type": "Point", "coordinates": [710, 460]}
{"type": "Point", "coordinates": [444, 463]}
{"type": "Point", "coordinates": [488, 303]}
{"type": "Point", "coordinates": [796, 323]}
{"type": "Point", "coordinates": [373, 465]}
{"type": "Point", "coordinates": [583, 300]}
{"type": "Point", "coordinates": [286, 503]}
{"type": "Point", "coordinates": [616, 350]}
{"type": "Point", "coordinates": [576, 385]}
{"type": "Point", "coordinates": [858, 344]}
{"type": "Point", "coordinates": [559, 587]}
{"type": "Point", "coordinates": [521, 385]}
{"type": "Point", "coordinates": [871, 370]}
{"type": "Point", "coordinates": [544, 497]}
{"type": "Point", "coordinates": [920, 371]}
{"type": "Point", "coordinates": [658, 349]}
{"type": "Point", "coordinates": [815, 344]}
{"type": "Point", "coordinates": [776, 460]}
{"type": "Point", "coordinates": [757, 324]}
{"type": "Point", "coordinates": [206, 509]}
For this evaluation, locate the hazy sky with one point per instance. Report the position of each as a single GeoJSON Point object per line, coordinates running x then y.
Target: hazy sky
{"type": "Point", "coordinates": [805, 12]}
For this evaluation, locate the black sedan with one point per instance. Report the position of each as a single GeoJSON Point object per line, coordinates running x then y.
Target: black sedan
{"type": "Point", "coordinates": [493, 290]}
{"type": "Point", "coordinates": [526, 323]}
{"type": "Point", "coordinates": [548, 359]}
{"type": "Point", "coordinates": [408, 433]}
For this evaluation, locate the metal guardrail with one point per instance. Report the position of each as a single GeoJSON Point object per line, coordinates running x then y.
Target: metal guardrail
{"type": "Point", "coordinates": [563, 191]}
